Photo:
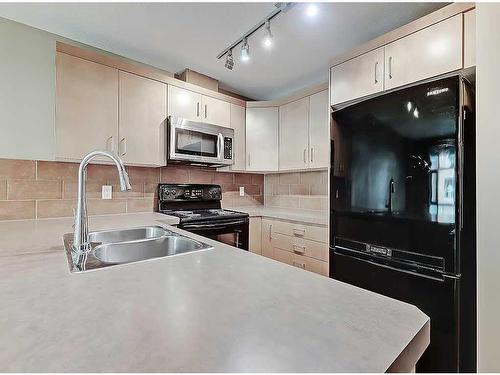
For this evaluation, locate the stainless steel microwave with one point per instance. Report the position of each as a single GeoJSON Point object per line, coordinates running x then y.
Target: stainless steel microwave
{"type": "Point", "coordinates": [198, 143]}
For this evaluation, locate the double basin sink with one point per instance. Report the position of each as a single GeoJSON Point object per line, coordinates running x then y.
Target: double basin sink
{"type": "Point", "coordinates": [131, 245]}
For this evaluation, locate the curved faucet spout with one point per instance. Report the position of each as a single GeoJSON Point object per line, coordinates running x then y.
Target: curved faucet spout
{"type": "Point", "coordinates": [81, 244]}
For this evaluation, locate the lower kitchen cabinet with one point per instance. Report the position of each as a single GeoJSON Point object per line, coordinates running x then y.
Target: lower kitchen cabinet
{"type": "Point", "coordinates": [300, 245]}
{"type": "Point", "coordinates": [254, 238]}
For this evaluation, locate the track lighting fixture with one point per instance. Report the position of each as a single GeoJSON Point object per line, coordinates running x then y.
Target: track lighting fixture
{"type": "Point", "coordinates": [229, 60]}
{"type": "Point", "coordinates": [245, 51]}
{"type": "Point", "coordinates": [267, 41]}
{"type": "Point", "coordinates": [268, 37]}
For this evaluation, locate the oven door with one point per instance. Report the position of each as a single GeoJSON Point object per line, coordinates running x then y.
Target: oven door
{"type": "Point", "coordinates": [199, 142]}
{"type": "Point", "coordinates": [234, 232]}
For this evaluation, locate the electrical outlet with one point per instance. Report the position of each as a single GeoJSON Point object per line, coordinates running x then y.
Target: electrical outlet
{"type": "Point", "coordinates": [107, 192]}
{"type": "Point", "coordinates": [242, 191]}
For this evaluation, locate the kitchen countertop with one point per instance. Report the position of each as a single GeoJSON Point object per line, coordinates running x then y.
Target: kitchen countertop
{"type": "Point", "coordinates": [303, 216]}
{"type": "Point", "coordinates": [217, 310]}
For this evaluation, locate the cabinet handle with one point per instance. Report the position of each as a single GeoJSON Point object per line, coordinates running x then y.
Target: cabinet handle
{"type": "Point", "coordinates": [205, 111]}
{"type": "Point", "coordinates": [376, 66]}
{"type": "Point", "coordinates": [298, 249]}
{"type": "Point", "coordinates": [305, 157]}
{"type": "Point", "coordinates": [197, 109]}
{"type": "Point", "coordinates": [300, 265]}
{"type": "Point", "coordinates": [111, 141]}
{"type": "Point", "coordinates": [312, 151]}
{"type": "Point", "coordinates": [248, 159]}
{"type": "Point", "coordinates": [123, 146]}
{"type": "Point", "coordinates": [270, 231]}
{"type": "Point", "coordinates": [390, 67]}
{"type": "Point", "coordinates": [299, 232]}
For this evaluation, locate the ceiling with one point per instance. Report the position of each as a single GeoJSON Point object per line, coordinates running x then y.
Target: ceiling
{"type": "Point", "coordinates": [174, 36]}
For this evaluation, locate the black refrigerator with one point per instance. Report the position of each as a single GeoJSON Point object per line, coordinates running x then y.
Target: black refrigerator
{"type": "Point", "coordinates": [402, 208]}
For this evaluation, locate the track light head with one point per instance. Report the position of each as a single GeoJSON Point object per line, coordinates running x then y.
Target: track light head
{"type": "Point", "coordinates": [229, 60]}
{"type": "Point", "coordinates": [268, 35]}
{"type": "Point", "coordinates": [245, 51]}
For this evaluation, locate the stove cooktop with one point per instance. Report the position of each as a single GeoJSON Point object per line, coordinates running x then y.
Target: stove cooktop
{"type": "Point", "coordinates": [205, 214]}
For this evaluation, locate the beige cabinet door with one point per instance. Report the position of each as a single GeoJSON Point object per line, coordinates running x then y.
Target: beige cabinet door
{"type": "Point", "coordinates": [470, 38]}
{"type": "Point", "coordinates": [255, 235]}
{"type": "Point", "coordinates": [86, 107]}
{"type": "Point", "coordinates": [142, 120]}
{"type": "Point", "coordinates": [294, 134]}
{"type": "Point", "coordinates": [239, 147]}
{"type": "Point", "coordinates": [361, 76]}
{"type": "Point", "coordinates": [262, 139]}
{"type": "Point", "coordinates": [266, 238]}
{"type": "Point", "coordinates": [184, 103]}
{"type": "Point", "coordinates": [216, 111]}
{"type": "Point", "coordinates": [319, 130]}
{"type": "Point", "coordinates": [434, 50]}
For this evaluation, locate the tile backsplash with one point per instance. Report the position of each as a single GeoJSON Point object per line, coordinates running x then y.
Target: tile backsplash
{"type": "Point", "coordinates": [302, 190]}
{"type": "Point", "coordinates": [47, 189]}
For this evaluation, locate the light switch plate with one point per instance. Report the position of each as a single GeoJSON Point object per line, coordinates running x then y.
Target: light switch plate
{"type": "Point", "coordinates": [107, 192]}
{"type": "Point", "coordinates": [242, 191]}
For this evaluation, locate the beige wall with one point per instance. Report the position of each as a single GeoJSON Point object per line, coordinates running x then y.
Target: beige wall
{"type": "Point", "coordinates": [488, 185]}
{"type": "Point", "coordinates": [304, 190]}
{"type": "Point", "coordinates": [27, 93]}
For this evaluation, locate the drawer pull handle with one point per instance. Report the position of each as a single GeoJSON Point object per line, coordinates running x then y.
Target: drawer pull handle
{"type": "Point", "coordinates": [299, 249]}
{"type": "Point", "coordinates": [299, 265]}
{"type": "Point", "coordinates": [299, 232]}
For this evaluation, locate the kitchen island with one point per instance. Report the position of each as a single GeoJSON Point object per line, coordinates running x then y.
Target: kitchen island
{"type": "Point", "coordinates": [219, 310]}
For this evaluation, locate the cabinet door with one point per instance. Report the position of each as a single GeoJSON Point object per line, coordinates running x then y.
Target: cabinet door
{"type": "Point", "coordinates": [262, 139]}
{"type": "Point", "coordinates": [86, 107]}
{"type": "Point", "coordinates": [319, 130]}
{"type": "Point", "coordinates": [266, 236]}
{"type": "Point", "coordinates": [239, 147]}
{"type": "Point", "coordinates": [216, 111]}
{"type": "Point", "coordinates": [143, 112]}
{"type": "Point", "coordinates": [293, 135]}
{"type": "Point", "coordinates": [434, 50]}
{"type": "Point", "coordinates": [470, 38]}
{"type": "Point", "coordinates": [184, 103]}
{"type": "Point", "coordinates": [255, 236]}
{"type": "Point", "coordinates": [361, 76]}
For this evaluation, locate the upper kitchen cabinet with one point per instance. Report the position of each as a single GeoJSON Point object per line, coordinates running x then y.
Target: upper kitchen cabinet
{"type": "Point", "coordinates": [239, 147]}
{"type": "Point", "coordinates": [142, 120]}
{"type": "Point", "coordinates": [293, 135]}
{"type": "Point", "coordinates": [262, 139]}
{"type": "Point", "coordinates": [197, 107]}
{"type": "Point", "coordinates": [184, 103]}
{"type": "Point", "coordinates": [361, 76]}
{"type": "Point", "coordinates": [319, 130]}
{"type": "Point", "coordinates": [86, 107]}
{"type": "Point", "coordinates": [470, 39]}
{"type": "Point", "coordinates": [434, 50]}
{"type": "Point", "coordinates": [216, 111]}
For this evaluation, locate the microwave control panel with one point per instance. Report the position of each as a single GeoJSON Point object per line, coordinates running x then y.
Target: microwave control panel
{"type": "Point", "coordinates": [228, 148]}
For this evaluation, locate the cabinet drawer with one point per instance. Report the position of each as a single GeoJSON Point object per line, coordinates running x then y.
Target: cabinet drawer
{"type": "Point", "coordinates": [310, 232]}
{"type": "Point", "coordinates": [301, 246]}
{"type": "Point", "coordinates": [300, 261]}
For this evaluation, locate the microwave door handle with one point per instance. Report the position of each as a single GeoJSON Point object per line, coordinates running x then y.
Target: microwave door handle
{"type": "Point", "coordinates": [219, 146]}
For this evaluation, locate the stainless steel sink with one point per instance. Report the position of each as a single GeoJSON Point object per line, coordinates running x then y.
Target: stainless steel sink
{"type": "Point", "coordinates": [132, 234]}
{"type": "Point", "coordinates": [131, 245]}
{"type": "Point", "coordinates": [126, 252]}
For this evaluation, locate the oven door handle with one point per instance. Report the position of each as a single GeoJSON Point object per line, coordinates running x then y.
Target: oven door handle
{"type": "Point", "coordinates": [212, 226]}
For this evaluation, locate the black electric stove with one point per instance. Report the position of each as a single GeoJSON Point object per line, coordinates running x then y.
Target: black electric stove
{"type": "Point", "coordinates": [199, 210]}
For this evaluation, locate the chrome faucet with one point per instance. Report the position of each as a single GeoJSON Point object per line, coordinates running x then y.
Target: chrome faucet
{"type": "Point", "coordinates": [81, 244]}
